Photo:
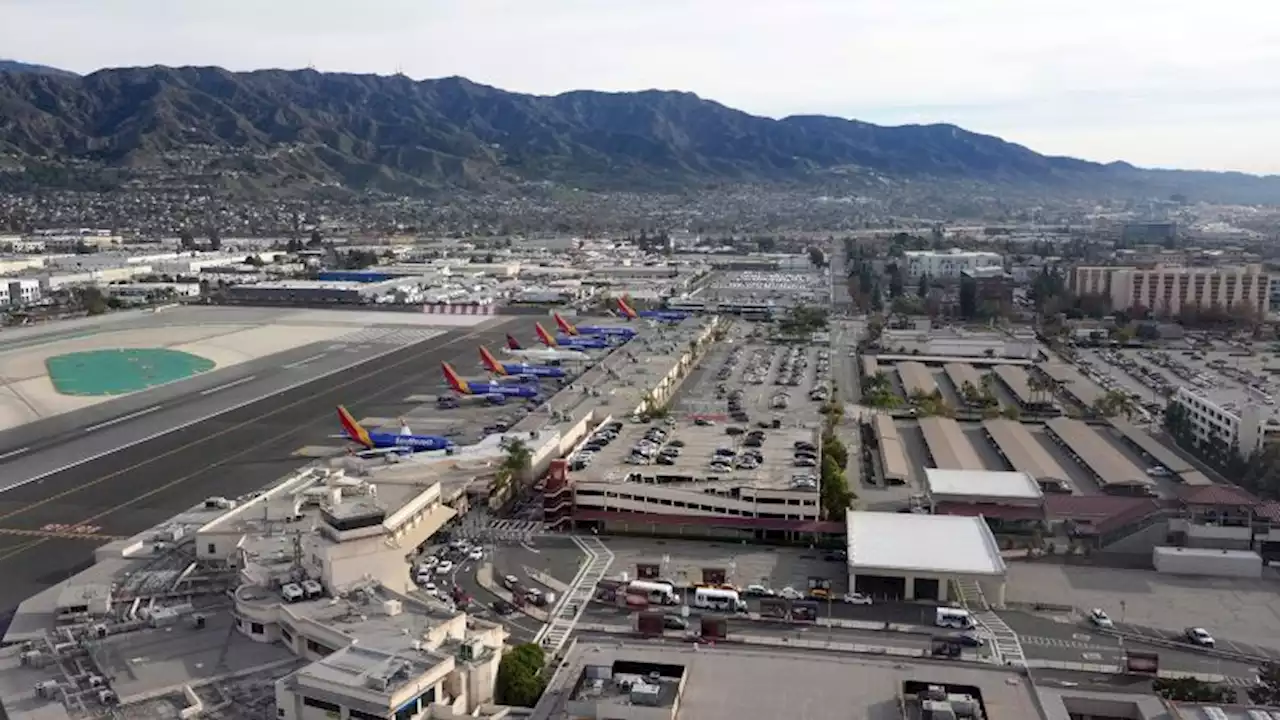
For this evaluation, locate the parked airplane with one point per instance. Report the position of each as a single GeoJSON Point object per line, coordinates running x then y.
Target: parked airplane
{"type": "Point", "coordinates": [549, 354]}
{"type": "Point", "coordinates": [497, 393]}
{"type": "Point", "coordinates": [569, 341]}
{"type": "Point", "coordinates": [631, 313]}
{"type": "Point", "coordinates": [519, 369]}
{"type": "Point", "coordinates": [379, 444]}
{"type": "Point", "coordinates": [569, 328]}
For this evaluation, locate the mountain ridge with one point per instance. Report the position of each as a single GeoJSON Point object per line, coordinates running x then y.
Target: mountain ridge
{"type": "Point", "coordinates": [391, 133]}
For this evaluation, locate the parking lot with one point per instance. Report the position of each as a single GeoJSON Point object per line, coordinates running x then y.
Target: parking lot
{"type": "Point", "coordinates": [748, 414]}
{"type": "Point", "coordinates": [784, 287]}
{"type": "Point", "coordinates": [1242, 615]}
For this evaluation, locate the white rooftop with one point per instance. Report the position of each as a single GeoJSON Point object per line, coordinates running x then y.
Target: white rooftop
{"type": "Point", "coordinates": [943, 544]}
{"type": "Point", "coordinates": [983, 484]}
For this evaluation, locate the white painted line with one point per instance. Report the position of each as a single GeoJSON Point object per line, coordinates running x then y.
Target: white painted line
{"type": "Point", "coordinates": [122, 418]}
{"type": "Point", "coordinates": [304, 361]}
{"type": "Point", "coordinates": [231, 384]}
{"type": "Point", "coordinates": [14, 453]}
{"type": "Point", "coordinates": [216, 413]}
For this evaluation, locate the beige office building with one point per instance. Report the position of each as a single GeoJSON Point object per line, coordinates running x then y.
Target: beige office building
{"type": "Point", "coordinates": [1166, 290]}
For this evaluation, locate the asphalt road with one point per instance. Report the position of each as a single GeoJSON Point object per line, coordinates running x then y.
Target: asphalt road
{"type": "Point", "coordinates": [48, 528]}
{"type": "Point", "coordinates": [1046, 639]}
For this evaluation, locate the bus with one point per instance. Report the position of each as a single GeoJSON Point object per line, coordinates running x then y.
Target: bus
{"type": "Point", "coordinates": [954, 618]}
{"type": "Point", "coordinates": [657, 592]}
{"type": "Point", "coordinates": [718, 599]}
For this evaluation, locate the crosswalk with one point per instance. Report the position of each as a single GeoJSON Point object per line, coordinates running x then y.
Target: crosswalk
{"type": "Point", "coordinates": [1006, 642]}
{"type": "Point", "coordinates": [388, 336]}
{"type": "Point", "coordinates": [1061, 643]}
{"type": "Point", "coordinates": [501, 530]}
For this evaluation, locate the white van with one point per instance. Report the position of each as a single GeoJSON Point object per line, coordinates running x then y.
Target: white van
{"type": "Point", "coordinates": [954, 618]}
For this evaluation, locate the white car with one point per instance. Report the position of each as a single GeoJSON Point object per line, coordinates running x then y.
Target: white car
{"type": "Point", "coordinates": [1100, 618]}
{"type": "Point", "coordinates": [430, 561]}
{"type": "Point", "coordinates": [757, 591]}
{"type": "Point", "coordinates": [790, 593]}
{"type": "Point", "coordinates": [857, 599]}
{"type": "Point", "coordinates": [1158, 471]}
{"type": "Point", "coordinates": [424, 578]}
{"type": "Point", "coordinates": [444, 567]}
{"type": "Point", "coordinates": [1199, 636]}
{"type": "Point", "coordinates": [428, 587]}
{"type": "Point", "coordinates": [477, 553]}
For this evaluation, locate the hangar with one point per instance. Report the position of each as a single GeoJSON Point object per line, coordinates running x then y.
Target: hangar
{"type": "Point", "coordinates": [909, 556]}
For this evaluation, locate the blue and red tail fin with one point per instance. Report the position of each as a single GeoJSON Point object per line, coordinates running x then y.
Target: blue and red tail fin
{"type": "Point", "coordinates": [512, 343]}
{"type": "Point", "coordinates": [491, 363]}
{"type": "Point", "coordinates": [565, 326]}
{"type": "Point", "coordinates": [547, 338]}
{"type": "Point", "coordinates": [457, 383]}
{"type": "Point", "coordinates": [353, 429]}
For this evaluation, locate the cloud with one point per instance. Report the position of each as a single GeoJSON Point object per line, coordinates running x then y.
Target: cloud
{"type": "Point", "coordinates": [1167, 84]}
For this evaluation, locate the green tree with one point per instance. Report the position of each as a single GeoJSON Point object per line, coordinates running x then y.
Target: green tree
{"type": "Point", "coordinates": [1192, 690]}
{"type": "Point", "coordinates": [922, 290]}
{"type": "Point", "coordinates": [895, 280]}
{"type": "Point", "coordinates": [834, 493]}
{"type": "Point", "coordinates": [519, 680]}
{"type": "Point", "coordinates": [516, 464]}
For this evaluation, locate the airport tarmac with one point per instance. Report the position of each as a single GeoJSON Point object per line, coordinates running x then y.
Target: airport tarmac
{"type": "Point", "coordinates": [48, 527]}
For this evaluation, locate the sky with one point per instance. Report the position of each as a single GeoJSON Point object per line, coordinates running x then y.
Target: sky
{"type": "Point", "coordinates": [1156, 83]}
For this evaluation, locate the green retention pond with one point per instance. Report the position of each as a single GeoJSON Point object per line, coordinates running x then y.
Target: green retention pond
{"type": "Point", "coordinates": [120, 371]}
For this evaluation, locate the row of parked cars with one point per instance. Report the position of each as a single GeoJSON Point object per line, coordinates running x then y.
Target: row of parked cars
{"type": "Point", "coordinates": [817, 593]}
{"type": "Point", "coordinates": [657, 446]}
{"type": "Point", "coordinates": [791, 370]}
{"type": "Point", "coordinates": [600, 439]}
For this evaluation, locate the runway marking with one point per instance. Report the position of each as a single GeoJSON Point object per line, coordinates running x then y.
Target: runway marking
{"type": "Point", "coordinates": [14, 453]}
{"type": "Point", "coordinates": [46, 534]}
{"type": "Point", "coordinates": [123, 418]}
{"type": "Point", "coordinates": [231, 384]}
{"type": "Point", "coordinates": [228, 458]}
{"type": "Point", "coordinates": [210, 416]}
{"type": "Point", "coordinates": [304, 361]}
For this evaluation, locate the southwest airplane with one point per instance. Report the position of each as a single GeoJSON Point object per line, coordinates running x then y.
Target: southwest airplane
{"type": "Point", "coordinates": [556, 342]}
{"type": "Point", "coordinates": [376, 444]}
{"type": "Point", "coordinates": [496, 393]}
{"type": "Point", "coordinates": [568, 328]}
{"type": "Point", "coordinates": [631, 313]}
{"type": "Point", "coordinates": [548, 354]}
{"type": "Point", "coordinates": [517, 369]}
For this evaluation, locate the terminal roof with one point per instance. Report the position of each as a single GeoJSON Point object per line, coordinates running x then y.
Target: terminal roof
{"type": "Point", "coordinates": [945, 544]}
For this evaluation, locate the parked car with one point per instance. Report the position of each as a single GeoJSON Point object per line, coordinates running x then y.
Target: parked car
{"type": "Point", "coordinates": [1100, 618]}
{"type": "Point", "coordinates": [757, 591]}
{"type": "Point", "coordinates": [856, 598]}
{"type": "Point", "coordinates": [790, 593]}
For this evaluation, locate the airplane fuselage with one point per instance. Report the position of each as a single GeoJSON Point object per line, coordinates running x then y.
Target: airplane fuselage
{"type": "Point", "coordinates": [409, 443]}
{"type": "Point", "coordinates": [533, 370]}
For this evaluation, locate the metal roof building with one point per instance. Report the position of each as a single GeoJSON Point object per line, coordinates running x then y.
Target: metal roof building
{"type": "Point", "coordinates": [916, 379]}
{"type": "Point", "coordinates": [916, 557]}
{"type": "Point", "coordinates": [1111, 469]}
{"type": "Point", "coordinates": [893, 459]}
{"type": "Point", "coordinates": [961, 373]}
{"type": "Point", "coordinates": [948, 446]}
{"type": "Point", "coordinates": [1022, 452]}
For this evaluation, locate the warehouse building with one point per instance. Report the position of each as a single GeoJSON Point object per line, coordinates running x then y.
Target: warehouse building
{"type": "Point", "coordinates": [893, 458]}
{"type": "Point", "coordinates": [909, 556]}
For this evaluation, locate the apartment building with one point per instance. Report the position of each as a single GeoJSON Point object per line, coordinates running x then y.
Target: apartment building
{"type": "Point", "coordinates": [1249, 427]}
{"type": "Point", "coordinates": [19, 292]}
{"type": "Point", "coordinates": [1167, 290]}
{"type": "Point", "coordinates": [948, 264]}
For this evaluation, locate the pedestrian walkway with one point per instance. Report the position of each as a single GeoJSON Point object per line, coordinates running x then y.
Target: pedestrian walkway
{"type": "Point", "coordinates": [491, 531]}
{"type": "Point", "coordinates": [1005, 641]}
{"type": "Point", "coordinates": [565, 616]}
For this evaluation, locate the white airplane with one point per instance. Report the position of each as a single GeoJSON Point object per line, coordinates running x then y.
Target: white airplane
{"type": "Point", "coordinates": [513, 349]}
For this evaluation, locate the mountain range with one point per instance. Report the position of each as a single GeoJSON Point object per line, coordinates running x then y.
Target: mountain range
{"type": "Point", "coordinates": [292, 128]}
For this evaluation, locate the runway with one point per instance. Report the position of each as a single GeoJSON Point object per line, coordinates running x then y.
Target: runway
{"type": "Point", "coordinates": [48, 528]}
